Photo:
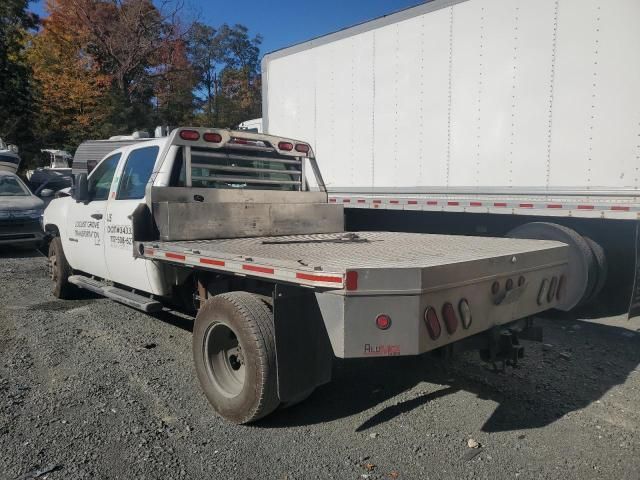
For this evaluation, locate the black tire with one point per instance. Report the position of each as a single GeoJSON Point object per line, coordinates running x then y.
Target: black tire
{"type": "Point", "coordinates": [602, 268]}
{"type": "Point", "coordinates": [235, 356]}
{"type": "Point", "coordinates": [582, 271]}
{"type": "Point", "coordinates": [60, 271]}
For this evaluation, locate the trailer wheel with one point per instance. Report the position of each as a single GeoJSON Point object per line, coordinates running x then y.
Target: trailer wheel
{"type": "Point", "coordinates": [59, 271]}
{"type": "Point", "coordinates": [582, 271]}
{"type": "Point", "coordinates": [235, 356]}
{"type": "Point", "coordinates": [602, 268]}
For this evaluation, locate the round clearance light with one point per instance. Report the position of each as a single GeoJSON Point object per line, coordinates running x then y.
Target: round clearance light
{"type": "Point", "coordinates": [544, 289]}
{"type": "Point", "coordinates": [189, 135]}
{"type": "Point", "coordinates": [432, 323]}
{"type": "Point", "coordinates": [383, 321]}
{"type": "Point", "coordinates": [552, 289]}
{"type": "Point", "coordinates": [495, 287]}
{"type": "Point", "coordinates": [450, 318]}
{"type": "Point", "coordinates": [212, 137]}
{"type": "Point", "coordinates": [465, 313]}
{"type": "Point", "coordinates": [286, 146]}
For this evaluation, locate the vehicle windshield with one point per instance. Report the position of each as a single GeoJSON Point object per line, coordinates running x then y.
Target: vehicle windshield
{"type": "Point", "coordinates": [12, 187]}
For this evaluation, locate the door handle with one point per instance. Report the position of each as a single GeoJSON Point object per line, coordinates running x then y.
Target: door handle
{"type": "Point", "coordinates": [97, 216]}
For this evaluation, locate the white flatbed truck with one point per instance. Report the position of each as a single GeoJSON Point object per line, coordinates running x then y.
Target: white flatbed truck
{"type": "Point", "coordinates": [237, 227]}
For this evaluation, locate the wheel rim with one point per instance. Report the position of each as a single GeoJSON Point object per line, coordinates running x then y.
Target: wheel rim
{"type": "Point", "coordinates": [224, 359]}
{"type": "Point", "coordinates": [53, 264]}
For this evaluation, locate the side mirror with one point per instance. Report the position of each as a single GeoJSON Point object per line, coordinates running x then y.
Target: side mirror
{"type": "Point", "coordinates": [46, 193]}
{"type": "Point", "coordinates": [81, 188]}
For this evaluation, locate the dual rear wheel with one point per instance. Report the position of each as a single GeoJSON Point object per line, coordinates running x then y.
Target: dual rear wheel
{"type": "Point", "coordinates": [235, 356]}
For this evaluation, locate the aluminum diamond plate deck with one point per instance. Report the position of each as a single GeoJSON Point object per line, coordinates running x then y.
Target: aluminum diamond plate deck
{"type": "Point", "coordinates": [379, 250]}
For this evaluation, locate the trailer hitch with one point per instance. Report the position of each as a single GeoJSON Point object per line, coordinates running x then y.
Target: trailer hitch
{"type": "Point", "coordinates": [503, 349]}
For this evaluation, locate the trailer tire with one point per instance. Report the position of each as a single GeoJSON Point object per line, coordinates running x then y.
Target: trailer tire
{"type": "Point", "coordinates": [601, 266]}
{"type": "Point", "coordinates": [235, 356]}
{"type": "Point", "coordinates": [582, 270]}
{"type": "Point", "coordinates": [60, 271]}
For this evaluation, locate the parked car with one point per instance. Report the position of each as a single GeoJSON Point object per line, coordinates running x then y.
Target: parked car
{"type": "Point", "coordinates": [20, 213]}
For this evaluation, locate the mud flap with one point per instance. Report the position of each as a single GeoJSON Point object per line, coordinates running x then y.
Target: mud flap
{"type": "Point", "coordinates": [634, 307]}
{"type": "Point", "coordinates": [303, 351]}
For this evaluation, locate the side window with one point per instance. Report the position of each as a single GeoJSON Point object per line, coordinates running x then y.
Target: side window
{"type": "Point", "coordinates": [136, 173]}
{"type": "Point", "coordinates": [101, 178]}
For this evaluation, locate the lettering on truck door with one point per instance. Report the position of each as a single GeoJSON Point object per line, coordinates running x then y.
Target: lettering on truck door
{"type": "Point", "coordinates": [85, 242]}
{"type": "Point", "coordinates": [118, 244]}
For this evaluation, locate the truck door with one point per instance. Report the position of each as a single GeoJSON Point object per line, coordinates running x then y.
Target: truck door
{"type": "Point", "coordinates": [86, 221]}
{"type": "Point", "coordinates": [118, 248]}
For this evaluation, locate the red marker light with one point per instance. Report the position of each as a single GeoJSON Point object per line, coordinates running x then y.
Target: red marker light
{"type": "Point", "coordinates": [302, 148]}
{"type": "Point", "coordinates": [351, 282]}
{"type": "Point", "coordinates": [212, 137]}
{"type": "Point", "coordinates": [383, 322]}
{"type": "Point", "coordinates": [286, 146]}
{"type": "Point", "coordinates": [432, 323]}
{"type": "Point", "coordinates": [450, 318]}
{"type": "Point", "coordinates": [189, 135]}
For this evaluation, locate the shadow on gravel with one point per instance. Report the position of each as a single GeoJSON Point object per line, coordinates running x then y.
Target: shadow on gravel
{"type": "Point", "coordinates": [579, 363]}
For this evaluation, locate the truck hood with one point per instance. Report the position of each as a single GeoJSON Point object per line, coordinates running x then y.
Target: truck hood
{"type": "Point", "coordinates": [20, 203]}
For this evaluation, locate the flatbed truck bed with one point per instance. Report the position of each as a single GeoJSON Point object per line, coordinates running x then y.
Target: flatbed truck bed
{"type": "Point", "coordinates": [324, 260]}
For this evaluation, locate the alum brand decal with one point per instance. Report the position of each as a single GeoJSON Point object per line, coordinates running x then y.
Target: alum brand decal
{"type": "Point", "coordinates": [381, 350]}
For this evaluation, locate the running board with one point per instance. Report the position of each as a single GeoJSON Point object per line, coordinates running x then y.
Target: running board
{"type": "Point", "coordinates": [130, 299]}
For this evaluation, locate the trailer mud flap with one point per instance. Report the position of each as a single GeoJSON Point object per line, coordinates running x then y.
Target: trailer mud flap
{"type": "Point", "coordinates": [303, 351]}
{"type": "Point", "coordinates": [634, 307]}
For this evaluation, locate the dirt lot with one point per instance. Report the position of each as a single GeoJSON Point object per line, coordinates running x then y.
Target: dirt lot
{"type": "Point", "coordinates": [93, 389]}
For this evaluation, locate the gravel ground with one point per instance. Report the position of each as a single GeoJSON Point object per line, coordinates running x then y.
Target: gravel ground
{"type": "Point", "coordinates": [93, 389]}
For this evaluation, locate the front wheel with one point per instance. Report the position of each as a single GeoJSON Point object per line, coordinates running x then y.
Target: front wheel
{"type": "Point", "coordinates": [235, 356]}
{"type": "Point", "coordinates": [59, 270]}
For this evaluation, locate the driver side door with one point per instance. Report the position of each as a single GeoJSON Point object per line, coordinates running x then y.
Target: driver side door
{"type": "Point", "coordinates": [86, 221]}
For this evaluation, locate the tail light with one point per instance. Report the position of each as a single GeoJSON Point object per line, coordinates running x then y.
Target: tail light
{"type": "Point", "coordinates": [383, 321]}
{"type": "Point", "coordinates": [544, 290]}
{"type": "Point", "coordinates": [286, 146]}
{"type": "Point", "coordinates": [465, 313]}
{"type": "Point", "coordinates": [450, 318]}
{"type": "Point", "coordinates": [509, 285]}
{"type": "Point", "coordinates": [495, 287]}
{"type": "Point", "coordinates": [560, 288]}
{"type": "Point", "coordinates": [189, 135]}
{"type": "Point", "coordinates": [302, 148]}
{"type": "Point", "coordinates": [552, 289]}
{"type": "Point", "coordinates": [432, 323]}
{"type": "Point", "coordinates": [521, 281]}
{"type": "Point", "coordinates": [212, 137]}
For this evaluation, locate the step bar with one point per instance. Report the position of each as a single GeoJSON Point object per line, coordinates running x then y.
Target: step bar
{"type": "Point", "coordinates": [125, 297]}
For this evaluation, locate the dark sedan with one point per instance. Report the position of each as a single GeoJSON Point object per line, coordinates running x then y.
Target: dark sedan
{"type": "Point", "coordinates": [20, 213]}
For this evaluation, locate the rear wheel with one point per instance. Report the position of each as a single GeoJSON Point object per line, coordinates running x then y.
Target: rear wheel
{"type": "Point", "coordinates": [60, 271]}
{"type": "Point", "coordinates": [234, 355]}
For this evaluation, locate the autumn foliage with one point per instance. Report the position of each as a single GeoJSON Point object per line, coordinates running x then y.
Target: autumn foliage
{"type": "Point", "coordinates": [96, 68]}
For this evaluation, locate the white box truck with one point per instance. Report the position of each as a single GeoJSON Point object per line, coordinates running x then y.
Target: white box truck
{"type": "Point", "coordinates": [498, 117]}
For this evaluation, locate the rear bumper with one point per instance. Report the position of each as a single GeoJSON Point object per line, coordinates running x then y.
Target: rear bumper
{"type": "Point", "coordinates": [351, 325]}
{"type": "Point", "coordinates": [20, 232]}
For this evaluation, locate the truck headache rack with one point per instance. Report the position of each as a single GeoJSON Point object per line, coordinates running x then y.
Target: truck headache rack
{"type": "Point", "coordinates": [217, 158]}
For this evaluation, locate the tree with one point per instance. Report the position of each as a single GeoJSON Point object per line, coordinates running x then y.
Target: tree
{"type": "Point", "coordinates": [227, 64]}
{"type": "Point", "coordinates": [71, 90]}
{"type": "Point", "coordinates": [16, 99]}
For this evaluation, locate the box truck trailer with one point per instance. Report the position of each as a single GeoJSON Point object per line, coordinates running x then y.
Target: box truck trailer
{"type": "Point", "coordinates": [493, 117]}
